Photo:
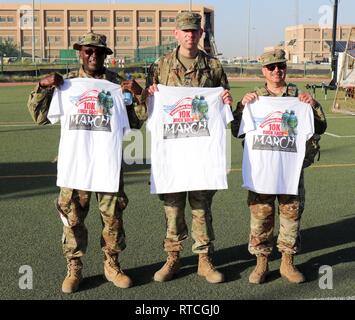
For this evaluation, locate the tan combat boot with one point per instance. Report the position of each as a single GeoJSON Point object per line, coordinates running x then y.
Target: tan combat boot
{"type": "Point", "coordinates": [207, 269]}
{"type": "Point", "coordinates": [169, 269]}
{"type": "Point", "coordinates": [114, 273]}
{"type": "Point", "coordinates": [260, 272]}
{"type": "Point", "coordinates": [289, 271]}
{"type": "Point", "coordinates": [74, 277]}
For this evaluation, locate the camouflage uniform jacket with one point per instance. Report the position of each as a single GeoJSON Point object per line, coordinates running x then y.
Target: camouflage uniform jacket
{"type": "Point", "coordinates": [205, 71]}
{"type": "Point", "coordinates": [40, 99]}
{"type": "Point", "coordinates": [290, 90]}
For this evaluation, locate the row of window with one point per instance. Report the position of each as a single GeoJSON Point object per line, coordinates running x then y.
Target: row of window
{"type": "Point", "coordinates": [124, 39]}
{"type": "Point", "coordinates": [168, 19]}
{"type": "Point", "coordinates": [74, 39]}
{"type": "Point", "coordinates": [119, 39]}
{"type": "Point", "coordinates": [54, 39]}
{"type": "Point", "coordinates": [28, 20]}
{"type": "Point", "coordinates": [7, 38]}
{"type": "Point", "coordinates": [100, 19]}
{"type": "Point", "coordinates": [52, 19]}
{"type": "Point", "coordinates": [28, 40]}
{"type": "Point", "coordinates": [77, 19]}
{"type": "Point", "coordinates": [168, 39]}
{"type": "Point", "coordinates": [145, 39]}
{"type": "Point", "coordinates": [8, 19]}
{"type": "Point", "coordinates": [97, 19]}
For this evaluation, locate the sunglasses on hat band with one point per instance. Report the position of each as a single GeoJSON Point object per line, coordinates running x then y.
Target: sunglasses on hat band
{"type": "Point", "coordinates": [280, 66]}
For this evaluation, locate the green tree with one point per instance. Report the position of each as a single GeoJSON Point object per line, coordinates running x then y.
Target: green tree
{"type": "Point", "coordinates": [8, 49]}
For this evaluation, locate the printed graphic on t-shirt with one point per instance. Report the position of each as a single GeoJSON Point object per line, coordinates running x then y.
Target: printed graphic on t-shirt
{"type": "Point", "coordinates": [92, 111]}
{"type": "Point", "coordinates": [186, 118]}
{"type": "Point", "coordinates": [279, 132]}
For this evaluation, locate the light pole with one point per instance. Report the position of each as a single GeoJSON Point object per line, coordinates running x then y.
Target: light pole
{"type": "Point", "coordinates": [33, 31]}
{"type": "Point", "coordinates": [190, 8]}
{"type": "Point", "coordinates": [248, 33]}
{"type": "Point", "coordinates": [255, 42]}
{"type": "Point", "coordinates": [49, 50]}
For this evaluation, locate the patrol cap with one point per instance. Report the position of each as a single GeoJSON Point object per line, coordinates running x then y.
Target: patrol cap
{"type": "Point", "coordinates": [188, 21]}
{"type": "Point", "coordinates": [92, 39]}
{"type": "Point", "coordinates": [274, 56]}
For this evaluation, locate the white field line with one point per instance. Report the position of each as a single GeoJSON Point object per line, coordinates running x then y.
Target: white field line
{"type": "Point", "coordinates": [337, 136]}
{"type": "Point", "coordinates": [17, 125]}
{"type": "Point", "coordinates": [341, 117]}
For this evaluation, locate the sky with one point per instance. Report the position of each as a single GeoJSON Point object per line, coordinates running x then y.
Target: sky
{"type": "Point", "coordinates": [268, 19]}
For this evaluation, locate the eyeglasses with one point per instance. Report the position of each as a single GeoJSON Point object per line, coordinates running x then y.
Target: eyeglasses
{"type": "Point", "coordinates": [90, 51]}
{"type": "Point", "coordinates": [280, 66]}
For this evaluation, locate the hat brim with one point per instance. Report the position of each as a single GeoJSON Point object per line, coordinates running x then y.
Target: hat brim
{"type": "Point", "coordinates": [188, 27]}
{"type": "Point", "coordinates": [273, 62]}
{"type": "Point", "coordinates": [77, 46]}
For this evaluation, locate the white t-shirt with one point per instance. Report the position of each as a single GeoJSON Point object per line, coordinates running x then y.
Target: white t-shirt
{"type": "Point", "coordinates": [188, 139]}
{"type": "Point", "coordinates": [276, 129]}
{"type": "Point", "coordinates": [93, 122]}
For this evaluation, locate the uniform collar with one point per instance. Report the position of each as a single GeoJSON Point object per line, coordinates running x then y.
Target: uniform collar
{"type": "Point", "coordinates": [83, 74]}
{"type": "Point", "coordinates": [198, 64]}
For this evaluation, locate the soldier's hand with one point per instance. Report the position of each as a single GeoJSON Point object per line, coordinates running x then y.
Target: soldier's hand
{"type": "Point", "coordinates": [133, 86]}
{"type": "Point", "coordinates": [307, 98]}
{"type": "Point", "coordinates": [54, 79]}
{"type": "Point", "coordinates": [153, 88]}
{"type": "Point", "coordinates": [227, 98]}
{"type": "Point", "coordinates": [249, 98]}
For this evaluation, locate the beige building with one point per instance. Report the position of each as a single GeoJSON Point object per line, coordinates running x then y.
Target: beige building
{"type": "Point", "coordinates": [127, 26]}
{"type": "Point", "coordinates": [309, 42]}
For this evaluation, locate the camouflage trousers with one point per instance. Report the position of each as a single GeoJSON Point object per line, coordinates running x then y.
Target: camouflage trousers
{"type": "Point", "coordinates": [176, 228]}
{"type": "Point", "coordinates": [262, 213]}
{"type": "Point", "coordinates": [73, 206]}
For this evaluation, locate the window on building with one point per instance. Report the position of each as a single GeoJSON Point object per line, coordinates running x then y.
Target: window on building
{"type": "Point", "coordinates": [10, 19]}
{"type": "Point", "coordinates": [172, 19]}
{"type": "Point", "coordinates": [72, 19]}
{"type": "Point", "coordinates": [123, 39]}
{"type": "Point", "coordinates": [57, 19]}
{"type": "Point", "coordinates": [27, 39]}
{"type": "Point", "coordinates": [142, 19]}
{"type": "Point", "coordinates": [96, 19]}
{"type": "Point", "coordinates": [8, 39]}
{"type": "Point", "coordinates": [164, 20]}
{"type": "Point", "coordinates": [80, 19]}
{"type": "Point", "coordinates": [2, 19]}
{"type": "Point", "coordinates": [103, 19]}
{"type": "Point", "coordinates": [50, 19]}
{"type": "Point", "coordinates": [123, 19]}
{"type": "Point", "coordinates": [149, 20]}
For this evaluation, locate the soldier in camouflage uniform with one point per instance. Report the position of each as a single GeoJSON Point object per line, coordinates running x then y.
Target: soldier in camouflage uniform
{"type": "Point", "coordinates": [73, 205]}
{"type": "Point", "coordinates": [262, 206]}
{"type": "Point", "coordinates": [187, 66]}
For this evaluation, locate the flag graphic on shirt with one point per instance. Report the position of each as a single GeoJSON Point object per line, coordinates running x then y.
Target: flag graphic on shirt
{"type": "Point", "coordinates": [186, 118]}
{"type": "Point", "coordinates": [92, 111]}
{"type": "Point", "coordinates": [279, 132]}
